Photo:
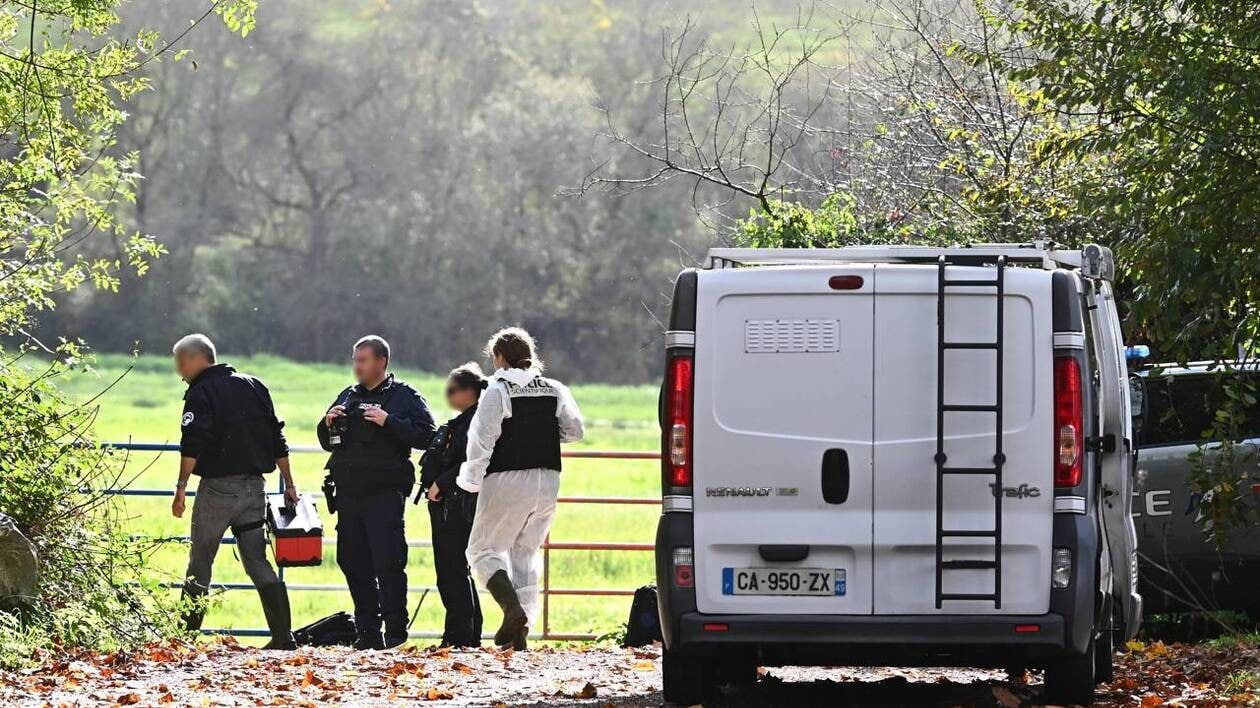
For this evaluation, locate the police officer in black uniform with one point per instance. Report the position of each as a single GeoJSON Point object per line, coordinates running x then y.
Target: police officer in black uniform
{"type": "Point", "coordinates": [371, 430]}
{"type": "Point", "coordinates": [230, 437]}
{"type": "Point", "coordinates": [452, 510]}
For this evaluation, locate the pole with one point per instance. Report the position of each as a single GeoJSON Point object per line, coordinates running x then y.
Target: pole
{"type": "Point", "coordinates": [546, 589]}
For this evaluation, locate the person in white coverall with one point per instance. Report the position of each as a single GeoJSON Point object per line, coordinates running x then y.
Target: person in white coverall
{"type": "Point", "coordinates": [514, 464]}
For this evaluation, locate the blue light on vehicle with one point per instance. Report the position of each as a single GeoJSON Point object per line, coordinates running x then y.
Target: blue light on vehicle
{"type": "Point", "coordinates": [1139, 351]}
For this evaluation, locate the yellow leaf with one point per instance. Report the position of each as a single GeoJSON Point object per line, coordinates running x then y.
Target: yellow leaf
{"type": "Point", "coordinates": [1134, 645]}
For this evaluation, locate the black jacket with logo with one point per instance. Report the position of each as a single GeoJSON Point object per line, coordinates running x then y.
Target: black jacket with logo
{"type": "Point", "coordinates": [453, 453]}
{"type": "Point", "coordinates": [230, 425]}
{"type": "Point", "coordinates": [373, 457]}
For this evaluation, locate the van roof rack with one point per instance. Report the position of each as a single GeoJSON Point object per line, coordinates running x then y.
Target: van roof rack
{"type": "Point", "coordinates": [1093, 261]}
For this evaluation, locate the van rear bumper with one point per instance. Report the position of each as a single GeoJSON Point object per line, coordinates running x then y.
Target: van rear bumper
{"type": "Point", "coordinates": [910, 640]}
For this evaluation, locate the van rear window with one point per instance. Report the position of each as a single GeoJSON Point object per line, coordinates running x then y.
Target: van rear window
{"type": "Point", "coordinates": [1181, 408]}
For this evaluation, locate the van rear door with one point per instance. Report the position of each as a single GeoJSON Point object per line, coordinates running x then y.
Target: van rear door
{"type": "Point", "coordinates": [905, 370]}
{"type": "Point", "coordinates": [782, 440]}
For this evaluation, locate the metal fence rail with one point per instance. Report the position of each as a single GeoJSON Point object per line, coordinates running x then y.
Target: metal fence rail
{"type": "Point", "coordinates": [548, 546]}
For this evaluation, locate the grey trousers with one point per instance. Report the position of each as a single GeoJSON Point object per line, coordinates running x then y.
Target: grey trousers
{"type": "Point", "coordinates": [222, 503]}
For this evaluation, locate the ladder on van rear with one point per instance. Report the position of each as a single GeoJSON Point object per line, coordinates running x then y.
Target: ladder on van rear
{"type": "Point", "coordinates": [943, 470]}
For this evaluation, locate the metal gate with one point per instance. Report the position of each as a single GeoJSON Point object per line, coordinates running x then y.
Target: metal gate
{"type": "Point", "coordinates": [547, 591]}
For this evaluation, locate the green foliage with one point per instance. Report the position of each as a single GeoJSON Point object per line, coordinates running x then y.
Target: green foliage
{"type": "Point", "coordinates": [64, 79]}
{"type": "Point", "coordinates": [59, 106]}
{"type": "Point", "coordinates": [1222, 475]}
{"type": "Point", "coordinates": [836, 222]}
{"type": "Point", "coordinates": [94, 586]}
{"type": "Point", "coordinates": [1160, 94]}
{"type": "Point", "coordinates": [1158, 98]}
{"type": "Point", "coordinates": [1132, 123]}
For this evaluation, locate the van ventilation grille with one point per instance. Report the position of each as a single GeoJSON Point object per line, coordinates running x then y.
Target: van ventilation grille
{"type": "Point", "coordinates": [791, 336]}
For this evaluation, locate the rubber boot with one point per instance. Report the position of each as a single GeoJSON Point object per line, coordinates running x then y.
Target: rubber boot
{"type": "Point", "coordinates": [192, 599]}
{"type": "Point", "coordinates": [511, 632]}
{"type": "Point", "coordinates": [519, 642]}
{"type": "Point", "coordinates": [275, 604]}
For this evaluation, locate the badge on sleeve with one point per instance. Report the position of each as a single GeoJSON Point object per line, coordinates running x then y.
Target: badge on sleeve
{"type": "Point", "coordinates": [188, 419]}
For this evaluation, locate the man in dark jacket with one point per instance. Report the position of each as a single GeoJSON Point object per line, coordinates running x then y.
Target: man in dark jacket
{"type": "Point", "coordinates": [371, 430]}
{"type": "Point", "coordinates": [230, 437]}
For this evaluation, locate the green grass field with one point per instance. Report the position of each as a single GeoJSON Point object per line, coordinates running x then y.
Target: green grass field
{"type": "Point", "coordinates": [145, 405]}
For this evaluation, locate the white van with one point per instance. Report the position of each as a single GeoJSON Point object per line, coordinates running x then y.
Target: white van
{"type": "Point", "coordinates": [896, 456]}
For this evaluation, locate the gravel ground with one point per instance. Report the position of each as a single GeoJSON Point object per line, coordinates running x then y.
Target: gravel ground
{"type": "Point", "coordinates": [228, 675]}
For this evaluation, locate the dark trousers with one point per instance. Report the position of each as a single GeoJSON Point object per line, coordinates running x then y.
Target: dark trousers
{"type": "Point", "coordinates": [451, 520]}
{"type": "Point", "coordinates": [372, 553]}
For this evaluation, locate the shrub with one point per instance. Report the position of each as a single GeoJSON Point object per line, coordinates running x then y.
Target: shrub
{"type": "Point", "coordinates": [94, 589]}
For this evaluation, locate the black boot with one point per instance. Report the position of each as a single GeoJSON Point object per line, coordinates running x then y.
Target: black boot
{"type": "Point", "coordinates": [394, 639]}
{"type": "Point", "coordinates": [512, 631]}
{"type": "Point", "coordinates": [275, 604]}
{"type": "Point", "coordinates": [193, 600]}
{"type": "Point", "coordinates": [369, 640]}
{"type": "Point", "coordinates": [519, 642]}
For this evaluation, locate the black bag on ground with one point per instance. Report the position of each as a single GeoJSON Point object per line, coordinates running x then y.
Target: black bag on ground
{"type": "Point", "coordinates": [644, 626]}
{"type": "Point", "coordinates": [334, 630]}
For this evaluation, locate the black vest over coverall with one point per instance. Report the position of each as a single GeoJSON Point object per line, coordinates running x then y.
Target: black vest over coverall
{"type": "Point", "coordinates": [530, 438]}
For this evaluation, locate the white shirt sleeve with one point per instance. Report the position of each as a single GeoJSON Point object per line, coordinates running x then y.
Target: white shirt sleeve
{"type": "Point", "coordinates": [483, 433]}
{"type": "Point", "coordinates": [571, 426]}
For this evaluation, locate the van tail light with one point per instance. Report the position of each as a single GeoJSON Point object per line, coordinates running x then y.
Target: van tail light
{"type": "Point", "coordinates": [684, 568]}
{"type": "Point", "coordinates": [1068, 422]}
{"type": "Point", "coordinates": [678, 414]}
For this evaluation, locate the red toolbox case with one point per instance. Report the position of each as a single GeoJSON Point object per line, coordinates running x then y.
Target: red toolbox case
{"type": "Point", "coordinates": [297, 534]}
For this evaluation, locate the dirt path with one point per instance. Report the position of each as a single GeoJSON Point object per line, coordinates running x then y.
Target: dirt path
{"type": "Point", "coordinates": [229, 675]}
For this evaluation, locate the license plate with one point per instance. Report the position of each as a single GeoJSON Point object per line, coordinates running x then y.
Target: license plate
{"type": "Point", "coordinates": [783, 581]}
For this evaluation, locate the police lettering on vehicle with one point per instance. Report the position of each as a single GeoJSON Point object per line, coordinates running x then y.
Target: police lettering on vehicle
{"type": "Point", "coordinates": [1157, 502]}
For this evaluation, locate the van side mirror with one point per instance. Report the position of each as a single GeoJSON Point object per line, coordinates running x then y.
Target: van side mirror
{"type": "Point", "coordinates": [1137, 401]}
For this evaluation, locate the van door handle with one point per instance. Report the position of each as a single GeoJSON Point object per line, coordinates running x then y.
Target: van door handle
{"type": "Point", "coordinates": [777, 553]}
{"type": "Point", "coordinates": [835, 476]}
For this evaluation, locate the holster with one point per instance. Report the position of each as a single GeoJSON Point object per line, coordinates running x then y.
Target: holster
{"type": "Point", "coordinates": [330, 494]}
